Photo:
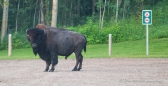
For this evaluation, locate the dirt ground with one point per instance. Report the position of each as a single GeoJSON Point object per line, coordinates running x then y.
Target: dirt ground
{"type": "Point", "coordinates": [95, 72]}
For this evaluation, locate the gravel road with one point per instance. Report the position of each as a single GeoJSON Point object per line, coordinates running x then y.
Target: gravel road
{"type": "Point", "coordinates": [95, 72]}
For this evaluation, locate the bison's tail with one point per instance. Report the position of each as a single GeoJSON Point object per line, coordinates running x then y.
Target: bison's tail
{"type": "Point", "coordinates": [85, 47]}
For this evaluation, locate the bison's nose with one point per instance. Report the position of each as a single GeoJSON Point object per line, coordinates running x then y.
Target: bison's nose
{"type": "Point", "coordinates": [34, 45]}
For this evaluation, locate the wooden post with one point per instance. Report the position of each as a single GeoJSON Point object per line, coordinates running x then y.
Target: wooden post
{"type": "Point", "coordinates": [9, 45]}
{"type": "Point", "coordinates": [110, 44]}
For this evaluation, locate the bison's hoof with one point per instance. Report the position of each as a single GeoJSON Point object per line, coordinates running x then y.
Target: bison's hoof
{"type": "Point", "coordinates": [79, 69]}
{"type": "Point", "coordinates": [75, 69]}
{"type": "Point", "coordinates": [45, 71]}
{"type": "Point", "coordinates": [51, 70]}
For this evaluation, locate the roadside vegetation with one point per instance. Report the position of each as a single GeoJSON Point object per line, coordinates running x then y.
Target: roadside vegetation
{"type": "Point", "coordinates": [129, 49]}
{"type": "Point", "coordinates": [128, 33]}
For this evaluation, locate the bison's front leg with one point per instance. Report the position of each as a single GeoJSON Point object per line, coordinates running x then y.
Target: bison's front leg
{"type": "Point", "coordinates": [54, 61]}
{"type": "Point", "coordinates": [48, 62]}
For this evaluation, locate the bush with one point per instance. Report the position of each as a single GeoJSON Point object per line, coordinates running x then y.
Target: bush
{"type": "Point", "coordinates": [121, 31]}
{"type": "Point", "coordinates": [19, 40]}
{"type": "Point", "coordinates": [124, 30]}
{"type": "Point", "coordinates": [4, 45]}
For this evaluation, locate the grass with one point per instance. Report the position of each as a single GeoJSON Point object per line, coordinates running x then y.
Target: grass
{"type": "Point", "coordinates": [158, 48]}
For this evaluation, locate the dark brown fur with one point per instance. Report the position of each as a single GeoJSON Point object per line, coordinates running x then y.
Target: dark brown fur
{"type": "Point", "coordinates": [49, 42]}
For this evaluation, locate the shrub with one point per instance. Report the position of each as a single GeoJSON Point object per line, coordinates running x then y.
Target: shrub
{"type": "Point", "coordinates": [19, 40]}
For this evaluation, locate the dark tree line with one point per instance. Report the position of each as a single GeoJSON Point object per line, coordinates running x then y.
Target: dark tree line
{"type": "Point", "coordinates": [28, 13]}
{"type": "Point", "coordinates": [93, 18]}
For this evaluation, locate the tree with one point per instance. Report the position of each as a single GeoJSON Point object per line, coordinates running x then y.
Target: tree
{"type": "Point", "coordinates": [125, 5]}
{"type": "Point", "coordinates": [93, 6]}
{"type": "Point", "coordinates": [4, 20]}
{"type": "Point", "coordinates": [101, 16]}
{"type": "Point", "coordinates": [17, 17]}
{"type": "Point", "coordinates": [117, 5]}
{"type": "Point", "coordinates": [116, 12]}
{"type": "Point", "coordinates": [42, 11]}
{"type": "Point", "coordinates": [47, 12]}
{"type": "Point", "coordinates": [54, 13]}
{"type": "Point", "coordinates": [34, 16]}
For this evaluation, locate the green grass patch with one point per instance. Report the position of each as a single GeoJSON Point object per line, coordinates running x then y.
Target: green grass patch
{"type": "Point", "coordinates": [158, 48]}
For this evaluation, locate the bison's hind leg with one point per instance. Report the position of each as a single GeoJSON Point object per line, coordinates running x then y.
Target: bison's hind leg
{"type": "Point", "coordinates": [79, 60]}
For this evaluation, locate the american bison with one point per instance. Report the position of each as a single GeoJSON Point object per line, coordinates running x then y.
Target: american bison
{"type": "Point", "coordinates": [49, 42]}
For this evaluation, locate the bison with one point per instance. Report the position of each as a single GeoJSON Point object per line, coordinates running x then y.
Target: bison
{"type": "Point", "coordinates": [49, 42]}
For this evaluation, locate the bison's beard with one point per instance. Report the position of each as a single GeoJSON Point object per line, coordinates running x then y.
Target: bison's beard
{"type": "Point", "coordinates": [35, 51]}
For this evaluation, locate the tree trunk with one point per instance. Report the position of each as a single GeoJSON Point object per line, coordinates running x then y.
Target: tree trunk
{"type": "Point", "coordinates": [39, 17]}
{"type": "Point", "coordinates": [46, 11]}
{"type": "Point", "coordinates": [17, 17]}
{"type": "Point", "coordinates": [34, 18]}
{"type": "Point", "coordinates": [100, 16]}
{"type": "Point", "coordinates": [116, 12]}
{"type": "Point", "coordinates": [4, 20]}
{"type": "Point", "coordinates": [124, 11]}
{"type": "Point", "coordinates": [78, 8]}
{"type": "Point", "coordinates": [103, 14]}
{"type": "Point", "coordinates": [93, 7]}
{"type": "Point", "coordinates": [64, 14]}
{"type": "Point", "coordinates": [108, 7]}
{"type": "Point", "coordinates": [42, 11]}
{"type": "Point", "coordinates": [70, 15]}
{"type": "Point", "coordinates": [54, 13]}
{"type": "Point", "coordinates": [118, 4]}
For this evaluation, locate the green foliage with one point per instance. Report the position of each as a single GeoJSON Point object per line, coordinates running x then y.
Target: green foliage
{"type": "Point", "coordinates": [5, 44]}
{"type": "Point", "coordinates": [125, 30]}
{"type": "Point", "coordinates": [18, 41]}
{"type": "Point", "coordinates": [121, 31]}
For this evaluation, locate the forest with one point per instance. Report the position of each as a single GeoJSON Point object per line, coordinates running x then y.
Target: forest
{"type": "Point", "coordinates": [93, 18]}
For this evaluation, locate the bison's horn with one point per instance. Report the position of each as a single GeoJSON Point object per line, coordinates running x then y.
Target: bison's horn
{"type": "Point", "coordinates": [26, 32]}
{"type": "Point", "coordinates": [44, 32]}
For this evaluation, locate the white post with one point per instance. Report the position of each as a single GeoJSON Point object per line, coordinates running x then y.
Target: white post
{"type": "Point", "coordinates": [9, 45]}
{"type": "Point", "coordinates": [147, 50]}
{"type": "Point", "coordinates": [110, 44]}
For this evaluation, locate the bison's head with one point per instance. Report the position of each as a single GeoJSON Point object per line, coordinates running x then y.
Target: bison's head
{"type": "Point", "coordinates": [36, 37]}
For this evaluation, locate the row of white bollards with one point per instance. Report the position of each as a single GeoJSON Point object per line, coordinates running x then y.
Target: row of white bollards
{"type": "Point", "coordinates": [10, 45]}
{"type": "Point", "coordinates": [109, 45]}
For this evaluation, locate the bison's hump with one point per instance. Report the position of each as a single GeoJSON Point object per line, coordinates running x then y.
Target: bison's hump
{"type": "Point", "coordinates": [42, 26]}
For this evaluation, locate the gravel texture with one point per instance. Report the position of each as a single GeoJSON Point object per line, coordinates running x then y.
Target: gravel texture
{"type": "Point", "coordinates": [95, 72]}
